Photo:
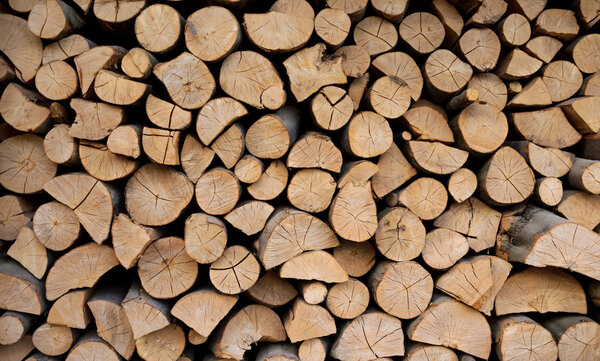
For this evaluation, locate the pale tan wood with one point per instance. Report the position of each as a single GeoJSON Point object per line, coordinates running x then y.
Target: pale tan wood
{"type": "Point", "coordinates": [514, 87]}
{"type": "Point", "coordinates": [517, 65]}
{"type": "Point", "coordinates": [421, 351]}
{"type": "Point", "coordinates": [391, 10]}
{"type": "Point", "coordinates": [167, 115]}
{"type": "Point", "coordinates": [195, 158]}
{"type": "Point", "coordinates": [53, 19]}
{"type": "Point", "coordinates": [24, 109]}
{"type": "Point", "coordinates": [357, 172]}
{"type": "Point", "coordinates": [552, 129]}
{"type": "Point", "coordinates": [131, 239]}
{"type": "Point", "coordinates": [22, 6]}
{"type": "Point", "coordinates": [367, 135]}
{"type": "Point", "coordinates": [352, 214]}
{"type": "Point", "coordinates": [30, 252]}
{"type": "Point", "coordinates": [443, 248]}
{"type": "Point", "coordinates": [144, 313]}
{"type": "Point", "coordinates": [450, 17]}
{"type": "Point", "coordinates": [89, 262]}
{"type": "Point", "coordinates": [357, 89]}
{"type": "Point", "coordinates": [520, 337]}
{"type": "Point", "coordinates": [394, 170]}
{"type": "Point", "coordinates": [202, 310]}
{"type": "Point", "coordinates": [529, 8]}
{"type": "Point", "coordinates": [195, 338]}
{"type": "Point", "coordinates": [462, 100]}
{"type": "Point", "coordinates": [348, 300]}
{"type": "Point", "coordinates": [376, 35]}
{"type": "Point", "coordinates": [462, 184]}
{"type": "Point", "coordinates": [354, 9]}
{"type": "Point", "coordinates": [111, 320]}
{"type": "Point", "coordinates": [584, 175]}
{"type": "Point", "coordinates": [315, 150]}
{"type": "Point", "coordinates": [20, 46]}
{"type": "Point", "coordinates": [212, 33]}
{"type": "Point", "coordinates": [22, 291]}
{"type": "Point", "coordinates": [481, 48]}
{"type": "Point", "coordinates": [56, 80]}
{"type": "Point", "coordinates": [166, 344]}
{"type": "Point", "coordinates": [246, 327]}
{"type": "Point", "coordinates": [271, 183]}
{"type": "Point", "coordinates": [38, 356]}
{"type": "Point", "coordinates": [331, 108]}
{"type": "Point", "coordinates": [265, 90]}
{"type": "Point", "coordinates": [491, 89]}
{"type": "Point", "coordinates": [166, 279]}
{"type": "Point", "coordinates": [357, 258]}
{"type": "Point", "coordinates": [271, 135]}
{"type": "Point", "coordinates": [114, 13]}
{"type": "Point", "coordinates": [403, 67]}
{"type": "Point", "coordinates": [278, 352]}
{"type": "Point", "coordinates": [435, 157]}
{"type": "Point", "coordinates": [15, 212]}
{"type": "Point", "coordinates": [216, 116]}
{"type": "Point", "coordinates": [558, 23]}
{"type": "Point", "coordinates": [422, 32]}
{"type": "Point", "coordinates": [311, 66]}
{"type": "Point", "coordinates": [304, 321]}
{"type": "Point", "coordinates": [125, 140]}
{"type": "Point", "coordinates": [54, 340]}
{"type": "Point", "coordinates": [24, 167]}
{"type": "Point", "coordinates": [428, 121]}
{"type": "Point", "coordinates": [102, 164]}
{"type": "Point", "coordinates": [488, 13]}
{"type": "Point", "coordinates": [562, 78]}
{"type": "Point", "coordinates": [389, 96]}
{"type": "Point", "coordinates": [355, 60]}
{"type": "Point", "coordinates": [434, 326]}
{"type": "Point", "coordinates": [90, 62]}
{"type": "Point", "coordinates": [587, 12]}
{"type": "Point", "coordinates": [217, 191]}
{"type": "Point", "coordinates": [549, 162]}
{"type": "Point", "coordinates": [118, 89]}
{"type": "Point", "coordinates": [534, 94]}
{"type": "Point", "coordinates": [582, 113]}
{"type": "Point", "coordinates": [591, 85]}
{"type": "Point", "coordinates": [235, 271]}
{"type": "Point", "coordinates": [169, 190]}
{"type": "Point", "coordinates": [514, 30]}
{"type": "Point", "coordinates": [249, 169]}
{"type": "Point", "coordinates": [187, 79]}
{"type": "Point", "coordinates": [543, 47]}
{"type": "Point", "coordinates": [60, 147]}
{"type": "Point", "coordinates": [70, 310]}
{"type": "Point", "coordinates": [480, 128]}
{"type": "Point", "coordinates": [56, 226]}
{"type": "Point", "coordinates": [205, 237]}
{"type": "Point", "coordinates": [313, 292]}
{"type": "Point", "coordinates": [475, 220]}
{"type": "Point", "coordinates": [314, 349]}
{"type": "Point", "coordinates": [230, 145]}
{"type": "Point", "coordinates": [314, 265]}
{"type": "Point", "coordinates": [138, 63]}
{"type": "Point", "coordinates": [332, 26]}
{"type": "Point", "coordinates": [158, 28]}
{"type": "Point", "coordinates": [94, 121]}
{"type": "Point", "coordinates": [7, 71]}
{"type": "Point", "coordinates": [13, 326]}
{"type": "Point", "coordinates": [544, 235]}
{"type": "Point", "coordinates": [506, 178]}
{"type": "Point", "coordinates": [91, 344]}
{"type": "Point", "coordinates": [17, 351]}
{"type": "Point", "coordinates": [400, 234]}
{"type": "Point", "coordinates": [271, 290]}
{"type": "Point", "coordinates": [445, 74]}
{"type": "Point", "coordinates": [580, 207]}
{"type": "Point", "coordinates": [577, 337]}
{"type": "Point", "coordinates": [311, 190]}
{"type": "Point", "coordinates": [426, 197]}
{"type": "Point", "coordinates": [548, 191]}
{"type": "Point", "coordinates": [541, 290]}
{"type": "Point", "coordinates": [402, 289]}
{"type": "Point", "coordinates": [582, 50]}
{"type": "Point", "coordinates": [84, 5]}
{"type": "Point", "coordinates": [369, 336]}
{"type": "Point", "coordinates": [250, 217]}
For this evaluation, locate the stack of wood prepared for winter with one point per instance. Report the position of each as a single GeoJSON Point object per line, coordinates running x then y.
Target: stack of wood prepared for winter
{"type": "Point", "coordinates": [299, 180]}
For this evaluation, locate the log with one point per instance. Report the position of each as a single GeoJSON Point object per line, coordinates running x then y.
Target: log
{"type": "Point", "coordinates": [581, 113]}
{"type": "Point", "coordinates": [271, 183]}
{"type": "Point", "coordinates": [21, 47]}
{"type": "Point", "coordinates": [462, 100]}
{"type": "Point", "coordinates": [53, 340]}
{"type": "Point", "coordinates": [393, 171]}
{"type": "Point", "coordinates": [314, 349]}
{"type": "Point", "coordinates": [332, 26]}
{"type": "Point", "coordinates": [89, 63]}
{"type": "Point", "coordinates": [534, 94]}
{"type": "Point", "coordinates": [425, 197]}
{"type": "Point", "coordinates": [389, 96]}
{"type": "Point", "coordinates": [348, 300]}
{"type": "Point", "coordinates": [580, 207]}
{"type": "Point", "coordinates": [118, 89]}
{"type": "Point", "coordinates": [216, 116]}
{"type": "Point", "coordinates": [103, 164]}
{"type": "Point", "coordinates": [131, 239]}
{"type": "Point", "coordinates": [15, 212]}
{"type": "Point", "coordinates": [367, 135]}
{"type": "Point", "coordinates": [195, 158]}
{"type": "Point", "coordinates": [562, 78]}
{"type": "Point", "coordinates": [587, 12]}
{"type": "Point", "coordinates": [547, 23]}
{"type": "Point", "coordinates": [357, 258]}
{"type": "Point", "coordinates": [450, 17]}
{"type": "Point", "coordinates": [248, 169]}
{"type": "Point", "coordinates": [56, 80]}
{"type": "Point", "coordinates": [428, 121]}
{"type": "Point", "coordinates": [521, 337]}
{"type": "Point", "coordinates": [138, 63]}
{"type": "Point", "coordinates": [66, 48]}
{"type": "Point", "coordinates": [22, 291]}
{"type": "Point", "coordinates": [544, 135]}
{"type": "Point", "coordinates": [579, 49]}
{"type": "Point", "coordinates": [315, 150]}
{"type": "Point", "coordinates": [163, 17]}
{"type": "Point", "coordinates": [114, 15]}
{"type": "Point", "coordinates": [480, 128]}
{"type": "Point", "coordinates": [488, 13]}
{"type": "Point", "coordinates": [90, 343]}
{"type": "Point", "coordinates": [583, 175]}
{"type": "Point", "coordinates": [354, 9]}
{"type": "Point", "coordinates": [229, 146]}
{"type": "Point", "coordinates": [331, 108]}
{"type": "Point", "coordinates": [355, 60]}
{"type": "Point", "coordinates": [311, 190]}
{"type": "Point", "coordinates": [271, 135]}
{"type": "Point", "coordinates": [13, 326]}
{"type": "Point", "coordinates": [376, 35]}
{"type": "Point", "coordinates": [574, 335]}
{"type": "Point", "coordinates": [435, 157]}
{"type": "Point", "coordinates": [125, 140]}
{"type": "Point", "coordinates": [30, 252]}
{"type": "Point", "coordinates": [514, 30]}
{"type": "Point", "coordinates": [314, 265]}
{"type": "Point", "coordinates": [212, 33]}
{"type": "Point", "coordinates": [144, 313]}
{"type": "Point", "coordinates": [402, 66]}
{"type": "Point", "coordinates": [70, 310]}
{"type": "Point", "coordinates": [219, 199]}
{"type": "Point", "coordinates": [235, 271]}
{"type": "Point", "coordinates": [419, 351]}
{"type": "Point", "coordinates": [400, 234]}
{"type": "Point", "coordinates": [313, 292]}
{"type": "Point", "coordinates": [167, 115]}
{"type": "Point", "coordinates": [280, 351]}
{"type": "Point", "coordinates": [165, 344]}
{"type": "Point", "coordinates": [445, 74]}
{"type": "Point", "coordinates": [305, 321]}
{"type": "Point", "coordinates": [205, 237]}
{"type": "Point", "coordinates": [94, 121]}
{"type": "Point", "coordinates": [250, 217]}
{"type": "Point", "coordinates": [357, 172]}
{"type": "Point", "coordinates": [422, 32]}
{"type": "Point", "coordinates": [272, 291]}
{"type": "Point", "coordinates": [24, 109]}
{"type": "Point", "coordinates": [443, 248]}
{"type": "Point", "coordinates": [543, 47]}
{"type": "Point", "coordinates": [353, 213]}
{"type": "Point", "coordinates": [548, 191]}
{"type": "Point", "coordinates": [491, 89]}
{"type": "Point", "coordinates": [462, 184]}
{"type": "Point", "coordinates": [517, 65]}
{"type": "Point", "coordinates": [60, 147]}
{"type": "Point", "coordinates": [56, 226]}
{"type": "Point", "coordinates": [202, 310]}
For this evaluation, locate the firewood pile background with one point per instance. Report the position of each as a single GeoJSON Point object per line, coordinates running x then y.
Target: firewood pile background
{"type": "Point", "coordinates": [356, 180]}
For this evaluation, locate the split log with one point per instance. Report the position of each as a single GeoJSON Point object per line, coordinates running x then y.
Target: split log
{"type": "Point", "coordinates": [402, 66]}
{"type": "Point", "coordinates": [376, 35]}
{"type": "Point", "coordinates": [235, 271]}
{"type": "Point", "coordinates": [271, 290]}
{"type": "Point", "coordinates": [314, 265]}
{"type": "Point", "coordinates": [315, 150]}
{"type": "Point", "coordinates": [543, 48]}
{"type": "Point", "coordinates": [520, 337]}
{"type": "Point", "coordinates": [537, 236]}
{"type": "Point", "coordinates": [367, 135]}
{"type": "Point", "coordinates": [216, 116]}
{"type": "Point", "coordinates": [450, 17]}
{"type": "Point", "coordinates": [56, 226]}
{"type": "Point", "coordinates": [357, 258]}
{"type": "Point", "coordinates": [462, 184]}
{"type": "Point", "coordinates": [548, 191]}
{"type": "Point", "coordinates": [562, 78]}
{"type": "Point", "coordinates": [138, 63]}
{"type": "Point", "coordinates": [250, 217]}
{"type": "Point", "coordinates": [394, 170]}
{"type": "Point", "coordinates": [212, 33]}
{"type": "Point", "coordinates": [576, 337]}
{"type": "Point", "coordinates": [435, 157]}
{"type": "Point", "coordinates": [118, 89]}
{"type": "Point", "coordinates": [313, 292]}
{"type": "Point", "coordinates": [357, 172]}
{"type": "Point", "coordinates": [580, 49]}
{"type": "Point", "coordinates": [314, 349]}
{"type": "Point", "coordinates": [542, 291]}
{"type": "Point", "coordinates": [278, 351]}
{"type": "Point", "coordinates": [480, 128]}
{"type": "Point", "coordinates": [24, 167]}
{"type": "Point", "coordinates": [587, 12]}
{"type": "Point", "coordinates": [428, 121]}
{"type": "Point", "coordinates": [22, 291]}
{"type": "Point", "coordinates": [165, 344]}
{"type": "Point", "coordinates": [13, 326]}
{"type": "Point", "coordinates": [534, 94]}
{"type": "Point", "coordinates": [166, 115]}
{"type": "Point", "coordinates": [53, 340]}
{"type": "Point", "coordinates": [131, 239]}
{"type": "Point", "coordinates": [348, 300]}
{"type": "Point", "coordinates": [304, 321]}
{"type": "Point", "coordinates": [421, 351]}
{"type": "Point", "coordinates": [545, 132]}
{"type": "Point", "coordinates": [331, 107]}
{"type": "Point", "coordinates": [30, 252]}
{"type": "Point", "coordinates": [195, 338]}
{"type": "Point", "coordinates": [60, 147]}
{"type": "Point", "coordinates": [195, 158]}
{"type": "Point", "coordinates": [445, 74]}
{"type": "Point", "coordinates": [271, 183]}
{"type": "Point", "coordinates": [249, 169]}
{"type": "Point", "coordinates": [102, 164]}
{"type": "Point", "coordinates": [514, 30]}
{"type": "Point", "coordinates": [15, 212]}
{"type": "Point", "coordinates": [144, 313]}
{"type": "Point", "coordinates": [355, 60]}
{"type": "Point", "coordinates": [443, 248]}
{"type": "Point", "coordinates": [91, 344]}
{"type": "Point", "coordinates": [56, 80]}
{"type": "Point", "coordinates": [425, 197]}
{"type": "Point", "coordinates": [422, 32]}
{"type": "Point", "coordinates": [400, 234]}
{"type": "Point", "coordinates": [369, 336]}
{"type": "Point", "coordinates": [517, 65]}
{"type": "Point", "coordinates": [89, 262]}
{"type": "Point", "coordinates": [70, 310]}
{"type": "Point", "coordinates": [18, 350]}
{"type": "Point", "coordinates": [434, 326]}
{"type": "Point", "coordinates": [156, 195]}
{"type": "Point", "coordinates": [66, 48]}
{"type": "Point", "coordinates": [332, 26]}
{"type": "Point", "coordinates": [311, 190]}
{"type": "Point", "coordinates": [24, 109]}
{"type": "Point", "coordinates": [217, 191]}
{"type": "Point", "coordinates": [491, 89]}
{"type": "Point", "coordinates": [271, 135]}
{"type": "Point", "coordinates": [582, 112]}
{"type": "Point", "coordinates": [488, 13]}
{"type": "Point", "coordinates": [94, 121]}
{"type": "Point", "coordinates": [585, 175]}
{"type": "Point", "coordinates": [355, 9]}
{"type": "Point", "coordinates": [558, 23]}
{"type": "Point", "coordinates": [353, 213]}
{"type": "Point", "coordinates": [230, 146]}
{"type": "Point", "coordinates": [389, 96]}
{"type": "Point", "coordinates": [124, 140]}
{"type": "Point", "coordinates": [115, 15]}
{"type": "Point", "coordinates": [202, 310]}
{"type": "Point", "coordinates": [402, 289]}
{"type": "Point", "coordinates": [163, 18]}
{"type": "Point", "coordinates": [205, 237]}
{"type": "Point", "coordinates": [580, 207]}
{"type": "Point", "coordinates": [21, 46]}
{"type": "Point", "coordinates": [90, 62]}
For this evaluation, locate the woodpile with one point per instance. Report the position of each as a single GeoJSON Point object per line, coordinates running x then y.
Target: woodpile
{"type": "Point", "coordinates": [299, 180]}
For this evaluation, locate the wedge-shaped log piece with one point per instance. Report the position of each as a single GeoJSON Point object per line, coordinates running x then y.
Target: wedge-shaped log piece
{"type": "Point", "coordinates": [583, 113]}
{"type": "Point", "coordinates": [358, 172]}
{"type": "Point", "coordinates": [230, 146]}
{"type": "Point", "coordinates": [315, 150]}
{"type": "Point", "coordinates": [549, 162]}
{"type": "Point", "coordinates": [577, 337]}
{"type": "Point", "coordinates": [519, 337]}
{"type": "Point", "coordinates": [30, 252]}
{"type": "Point", "coordinates": [21, 47]}
{"type": "Point", "coordinates": [452, 324]}
{"type": "Point", "coordinates": [250, 217]}
{"type": "Point", "coordinates": [235, 271]}
{"type": "Point", "coordinates": [462, 184]}
{"type": "Point", "coordinates": [580, 207]}
{"type": "Point", "coordinates": [24, 109]}
{"type": "Point", "coordinates": [156, 195]}
{"type": "Point", "coordinates": [475, 281]}
{"type": "Point", "coordinates": [402, 66]}
{"type": "Point", "coordinates": [290, 232]}
{"type": "Point", "coordinates": [212, 32]}
{"type": "Point", "coordinates": [165, 269]}
{"type": "Point", "coordinates": [558, 23]}
{"type": "Point", "coordinates": [167, 115]}
{"type": "Point", "coordinates": [263, 88]}
{"type": "Point", "coordinates": [249, 325]}
{"type": "Point", "coordinates": [131, 239]}
{"type": "Point", "coordinates": [53, 340]}
{"type": "Point", "coordinates": [310, 69]}
{"type": "Point", "coordinates": [474, 219]}
{"type": "Point", "coordinates": [188, 81]}
{"type": "Point", "coordinates": [402, 289]}
{"type": "Point", "coordinates": [394, 170]}
{"type": "Point", "coordinates": [480, 128]}
{"type": "Point", "coordinates": [541, 290]}
{"type": "Point", "coordinates": [125, 140]}
{"type": "Point", "coordinates": [20, 290]}
{"type": "Point", "coordinates": [548, 128]}
{"type": "Point", "coordinates": [145, 314]}
{"type": "Point", "coordinates": [271, 183]}
{"type": "Point", "coordinates": [70, 310]}
{"type": "Point", "coordinates": [24, 166]}
{"type": "Point", "coordinates": [543, 47]}
{"type": "Point", "coordinates": [90, 62]}
{"type": "Point", "coordinates": [161, 145]}
{"type": "Point", "coordinates": [400, 234]}
{"type": "Point", "coordinates": [90, 199]}
{"type": "Point", "coordinates": [562, 78]}
{"type": "Point", "coordinates": [80, 267]}
{"type": "Point", "coordinates": [94, 121]}
{"type": "Point", "coordinates": [517, 65]}
{"type": "Point", "coordinates": [202, 310]}
{"type": "Point", "coordinates": [103, 164]}
{"type": "Point", "coordinates": [304, 321]}
{"type": "Point", "coordinates": [314, 265]}
{"type": "Point", "coordinates": [91, 344]}
{"type": "Point", "coordinates": [369, 336]}
{"type": "Point", "coordinates": [166, 344]}
{"type": "Point", "coordinates": [443, 247]}
{"type": "Point", "coordinates": [348, 300]}
{"type": "Point", "coordinates": [271, 135]}
{"type": "Point", "coordinates": [540, 238]}
{"type": "Point", "coordinates": [272, 291]}
{"type": "Point", "coordinates": [428, 121]}
{"type": "Point", "coordinates": [138, 63]}
{"type": "Point", "coordinates": [534, 94]}
{"type": "Point", "coordinates": [216, 115]}
{"type": "Point", "coordinates": [195, 158]}
{"type": "Point", "coordinates": [111, 320]}
{"type": "Point", "coordinates": [353, 213]}
{"type": "Point", "coordinates": [357, 258]}
{"type": "Point", "coordinates": [419, 351]}
{"type": "Point", "coordinates": [436, 158]}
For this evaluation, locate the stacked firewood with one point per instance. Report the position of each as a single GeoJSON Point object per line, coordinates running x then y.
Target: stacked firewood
{"type": "Point", "coordinates": [299, 180]}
